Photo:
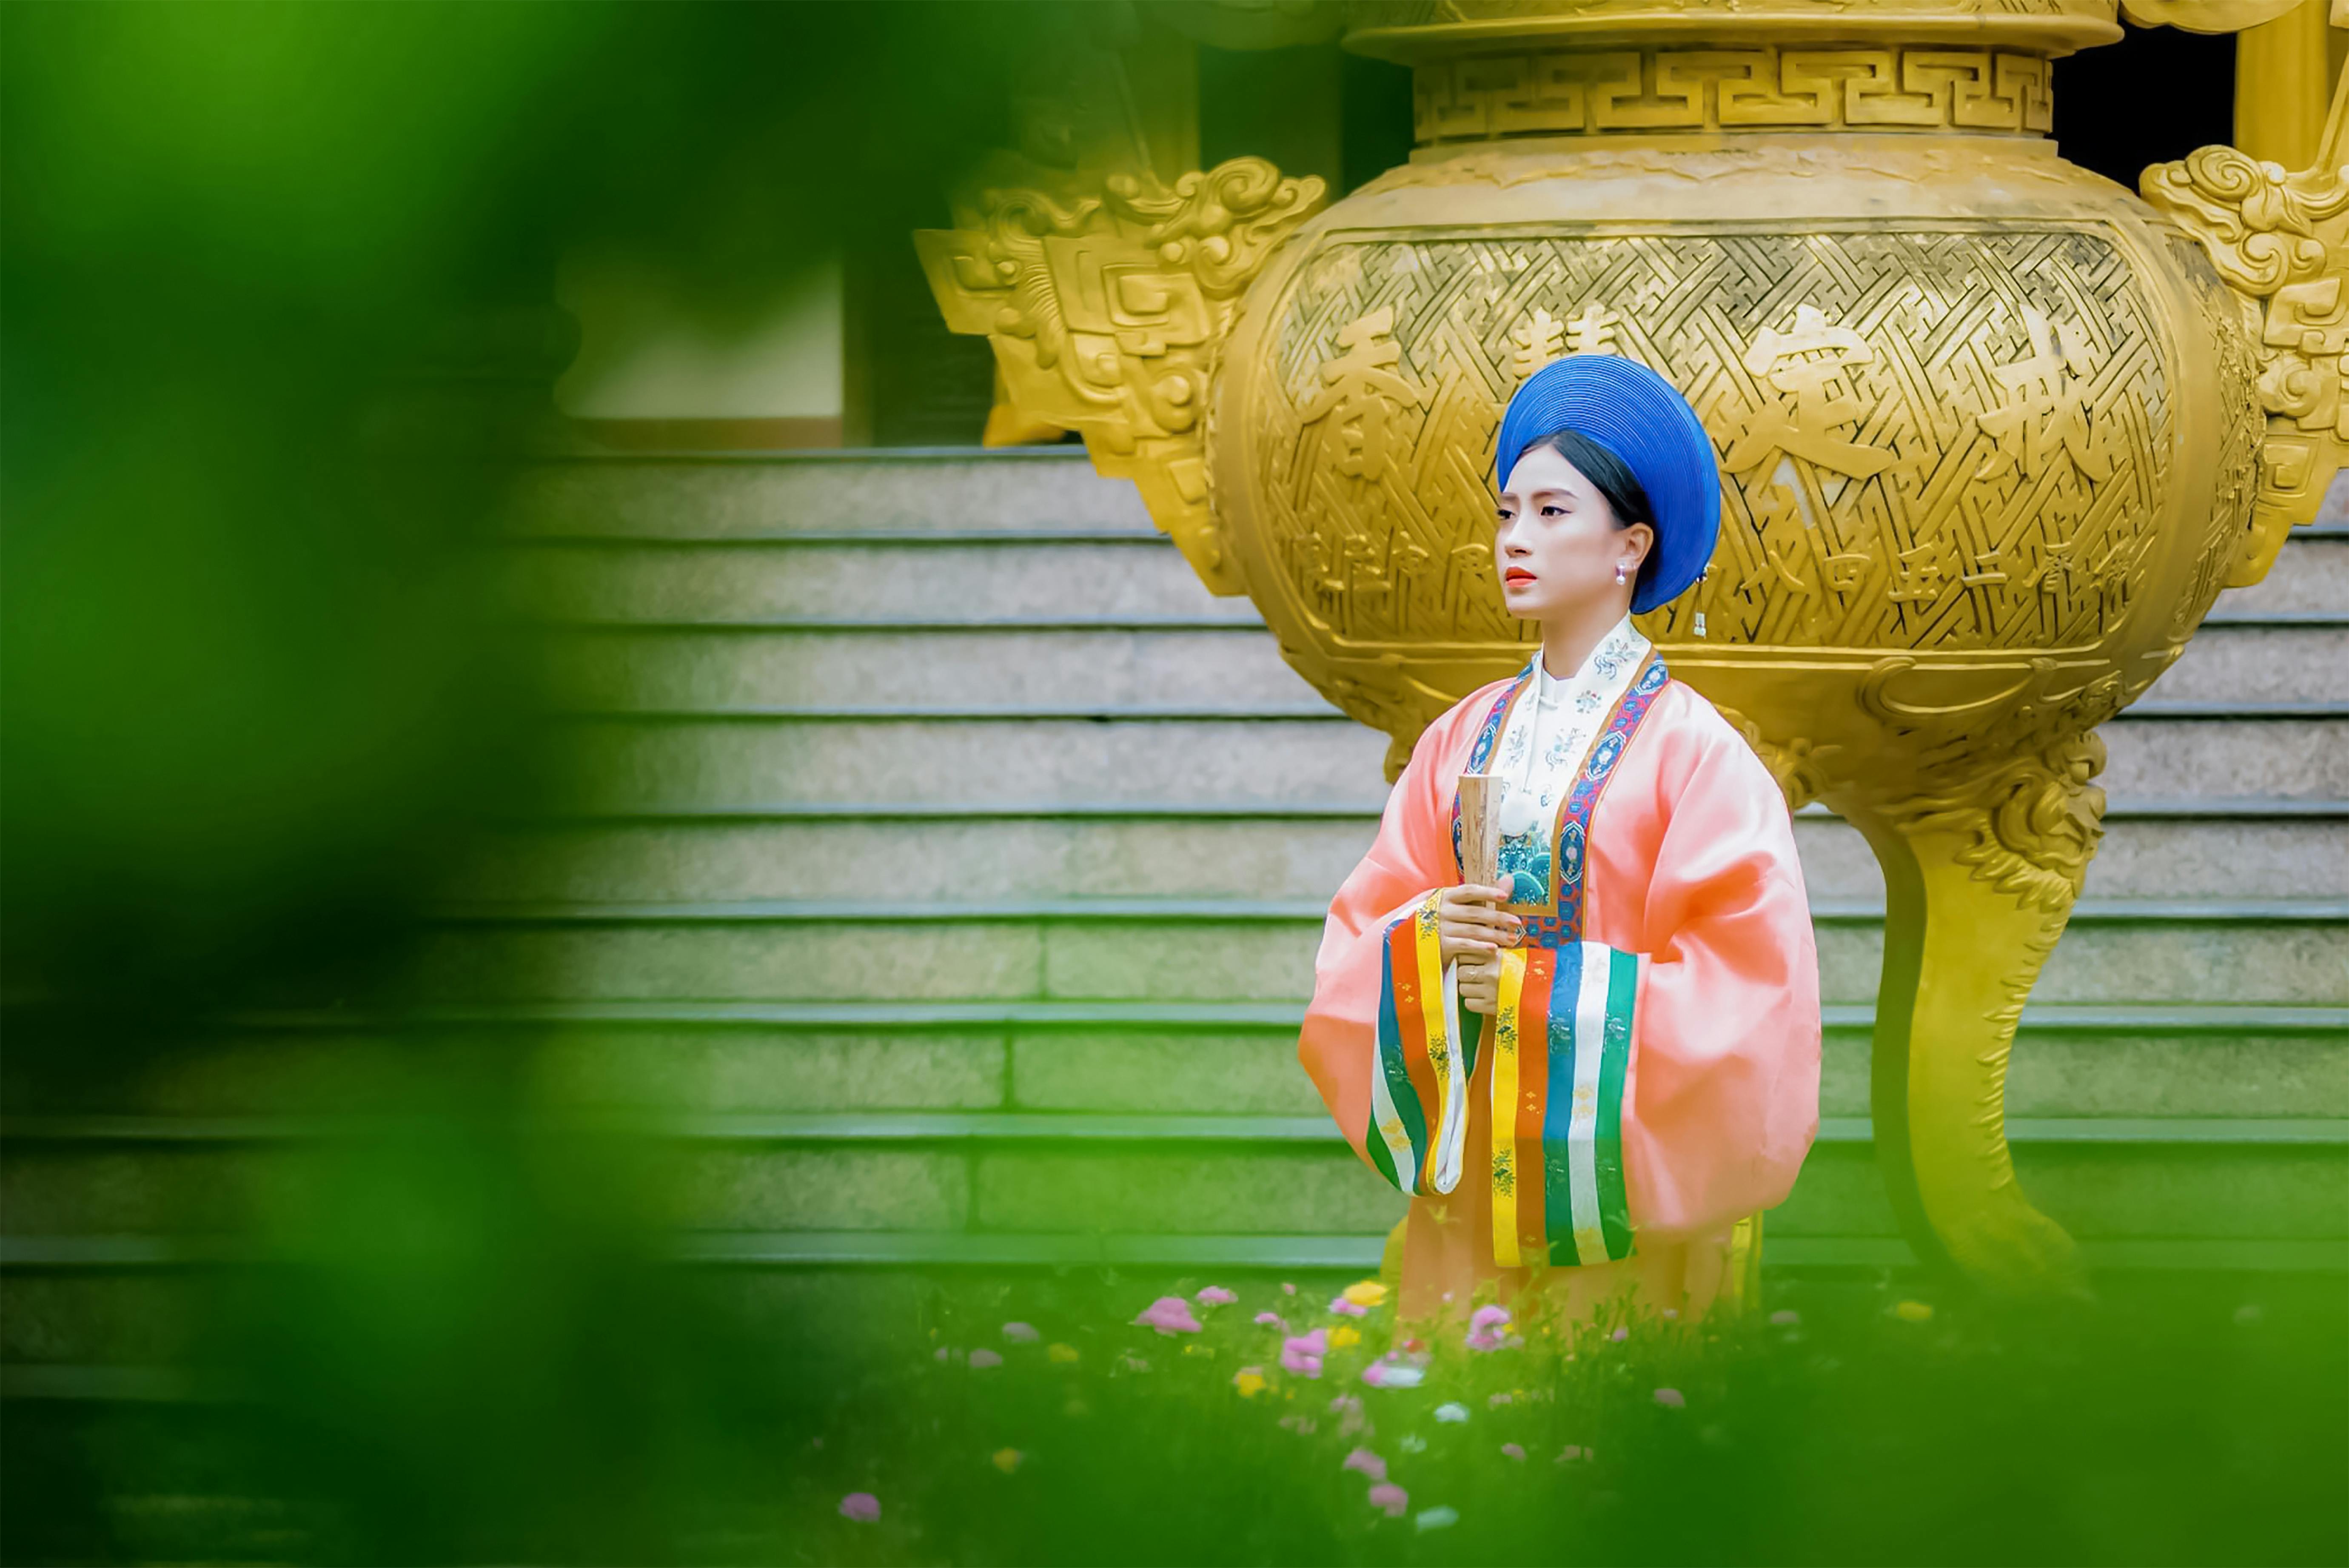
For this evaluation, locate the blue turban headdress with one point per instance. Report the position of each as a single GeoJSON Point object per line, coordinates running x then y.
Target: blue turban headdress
{"type": "Point", "coordinates": [1640, 417]}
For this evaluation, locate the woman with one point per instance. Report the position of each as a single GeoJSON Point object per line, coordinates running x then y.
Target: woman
{"type": "Point", "coordinates": [1593, 1075]}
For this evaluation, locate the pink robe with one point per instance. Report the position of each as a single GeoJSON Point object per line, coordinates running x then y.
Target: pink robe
{"type": "Point", "coordinates": [1690, 876]}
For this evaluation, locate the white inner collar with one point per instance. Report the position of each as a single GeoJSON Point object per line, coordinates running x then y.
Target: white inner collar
{"type": "Point", "coordinates": [1546, 739]}
{"type": "Point", "coordinates": [1622, 639]}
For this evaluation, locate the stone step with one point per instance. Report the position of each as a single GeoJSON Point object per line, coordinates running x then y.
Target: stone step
{"type": "Point", "coordinates": [762, 495]}
{"type": "Point", "coordinates": [2292, 951]}
{"type": "Point", "coordinates": [2237, 658]}
{"type": "Point", "coordinates": [1198, 1058]}
{"type": "Point", "coordinates": [967, 577]}
{"type": "Point", "coordinates": [1167, 661]}
{"type": "Point", "coordinates": [2138, 1179]}
{"type": "Point", "coordinates": [1263, 756]}
{"type": "Point", "coordinates": [1280, 755]}
{"type": "Point", "coordinates": [959, 579]}
{"type": "Point", "coordinates": [2240, 848]}
{"type": "Point", "coordinates": [2311, 576]}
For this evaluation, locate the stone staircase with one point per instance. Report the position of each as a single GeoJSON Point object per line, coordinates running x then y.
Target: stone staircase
{"type": "Point", "coordinates": [941, 868]}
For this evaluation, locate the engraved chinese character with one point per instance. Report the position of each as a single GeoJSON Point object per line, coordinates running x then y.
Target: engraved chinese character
{"type": "Point", "coordinates": [2045, 407]}
{"type": "Point", "coordinates": [1922, 571]}
{"type": "Point", "coordinates": [1592, 332]}
{"type": "Point", "coordinates": [1362, 399]}
{"type": "Point", "coordinates": [1847, 571]}
{"type": "Point", "coordinates": [1809, 369]}
{"type": "Point", "coordinates": [1539, 340]}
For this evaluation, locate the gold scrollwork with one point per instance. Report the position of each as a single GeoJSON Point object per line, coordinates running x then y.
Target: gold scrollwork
{"type": "Point", "coordinates": [1108, 308]}
{"type": "Point", "coordinates": [2280, 240]}
{"type": "Point", "coordinates": [2033, 823]}
{"type": "Point", "coordinates": [1563, 92]}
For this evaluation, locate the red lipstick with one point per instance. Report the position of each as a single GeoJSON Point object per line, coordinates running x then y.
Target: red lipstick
{"type": "Point", "coordinates": [1516, 574]}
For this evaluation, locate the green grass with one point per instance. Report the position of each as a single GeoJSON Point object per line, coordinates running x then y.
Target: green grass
{"type": "Point", "coordinates": [2204, 1423]}
{"type": "Point", "coordinates": [2194, 1420]}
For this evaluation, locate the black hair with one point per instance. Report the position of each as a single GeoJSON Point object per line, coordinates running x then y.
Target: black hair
{"type": "Point", "coordinates": [1627, 497]}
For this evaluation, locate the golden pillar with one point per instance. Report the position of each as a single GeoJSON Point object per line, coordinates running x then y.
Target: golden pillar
{"type": "Point", "coordinates": [2283, 79]}
{"type": "Point", "coordinates": [1993, 432]}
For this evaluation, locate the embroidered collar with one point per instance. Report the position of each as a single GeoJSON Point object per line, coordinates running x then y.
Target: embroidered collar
{"type": "Point", "coordinates": [1620, 649]}
{"type": "Point", "coordinates": [1552, 724]}
{"type": "Point", "coordinates": [1546, 867]}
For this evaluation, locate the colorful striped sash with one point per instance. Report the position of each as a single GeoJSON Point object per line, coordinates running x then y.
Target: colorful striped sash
{"type": "Point", "coordinates": [1561, 1047]}
{"type": "Point", "coordinates": [1559, 1040]}
{"type": "Point", "coordinates": [1419, 1085]}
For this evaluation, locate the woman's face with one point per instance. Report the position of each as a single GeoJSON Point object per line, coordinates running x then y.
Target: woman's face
{"type": "Point", "coordinates": [1556, 546]}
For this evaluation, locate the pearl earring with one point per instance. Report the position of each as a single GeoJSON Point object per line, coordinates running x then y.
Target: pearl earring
{"type": "Point", "coordinates": [1619, 578]}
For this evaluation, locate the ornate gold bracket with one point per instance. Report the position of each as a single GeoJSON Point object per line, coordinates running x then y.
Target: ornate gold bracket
{"type": "Point", "coordinates": [2282, 242]}
{"type": "Point", "coordinates": [1107, 309]}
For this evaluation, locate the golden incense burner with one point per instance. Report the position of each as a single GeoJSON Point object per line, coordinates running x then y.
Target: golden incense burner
{"type": "Point", "coordinates": [1993, 431]}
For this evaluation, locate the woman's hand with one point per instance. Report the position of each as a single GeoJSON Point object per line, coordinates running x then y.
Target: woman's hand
{"type": "Point", "coordinates": [1473, 930]}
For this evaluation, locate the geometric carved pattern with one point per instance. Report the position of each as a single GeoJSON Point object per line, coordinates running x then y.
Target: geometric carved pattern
{"type": "Point", "coordinates": [1932, 439]}
{"type": "Point", "coordinates": [1565, 92]}
{"type": "Point", "coordinates": [2233, 522]}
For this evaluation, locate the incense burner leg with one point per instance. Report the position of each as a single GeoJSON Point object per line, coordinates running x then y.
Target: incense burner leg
{"type": "Point", "coordinates": [1979, 885]}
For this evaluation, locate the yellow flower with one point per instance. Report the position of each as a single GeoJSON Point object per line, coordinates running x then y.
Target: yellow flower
{"type": "Point", "coordinates": [1249, 1382]}
{"type": "Point", "coordinates": [1198, 1350]}
{"type": "Point", "coordinates": [1343, 1336]}
{"type": "Point", "coordinates": [1061, 1352]}
{"type": "Point", "coordinates": [1365, 1292]}
{"type": "Point", "coordinates": [1913, 1312]}
{"type": "Point", "coordinates": [1008, 1459]}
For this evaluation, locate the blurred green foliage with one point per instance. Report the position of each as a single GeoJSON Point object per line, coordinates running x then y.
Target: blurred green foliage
{"type": "Point", "coordinates": [275, 280]}
{"type": "Point", "coordinates": [2182, 1422]}
{"type": "Point", "coordinates": [242, 688]}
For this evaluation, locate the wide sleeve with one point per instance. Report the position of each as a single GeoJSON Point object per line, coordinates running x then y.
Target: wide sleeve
{"type": "Point", "coordinates": [1379, 1039]}
{"type": "Point", "coordinates": [1721, 1101]}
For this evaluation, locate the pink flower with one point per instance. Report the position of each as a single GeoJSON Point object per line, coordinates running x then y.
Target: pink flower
{"type": "Point", "coordinates": [1349, 1411]}
{"type": "Point", "coordinates": [1344, 1308]}
{"type": "Point", "coordinates": [1170, 1314]}
{"type": "Point", "coordinates": [1287, 1288]}
{"type": "Point", "coordinates": [861, 1505]}
{"type": "Point", "coordinates": [1514, 1452]}
{"type": "Point", "coordinates": [1392, 1497]}
{"type": "Point", "coordinates": [1503, 1397]}
{"type": "Point", "coordinates": [1486, 1329]}
{"type": "Point", "coordinates": [1302, 1353]}
{"type": "Point", "coordinates": [1671, 1398]}
{"type": "Point", "coordinates": [1620, 1336]}
{"type": "Point", "coordinates": [1388, 1373]}
{"type": "Point", "coordinates": [1272, 1320]}
{"type": "Point", "coordinates": [1369, 1463]}
{"type": "Point", "coordinates": [1216, 1295]}
{"type": "Point", "coordinates": [982, 1358]}
{"type": "Point", "coordinates": [1021, 1333]}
